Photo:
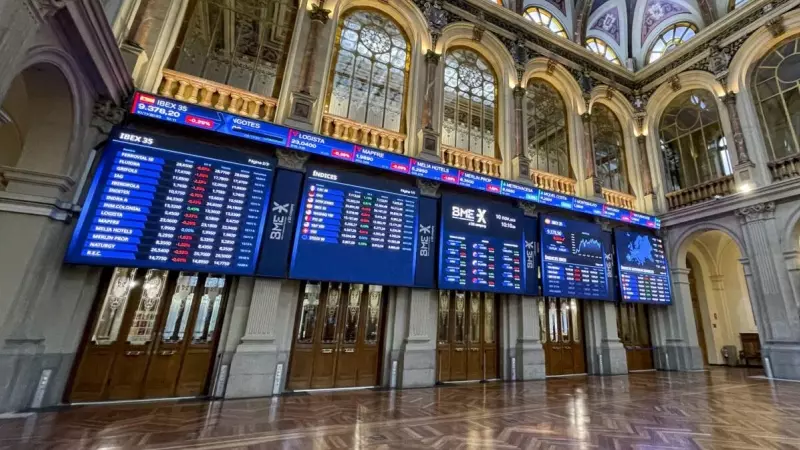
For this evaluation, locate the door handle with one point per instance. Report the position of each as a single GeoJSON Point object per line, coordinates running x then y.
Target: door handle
{"type": "Point", "coordinates": [327, 350]}
{"type": "Point", "coordinates": [134, 353]}
{"type": "Point", "coordinates": [168, 352]}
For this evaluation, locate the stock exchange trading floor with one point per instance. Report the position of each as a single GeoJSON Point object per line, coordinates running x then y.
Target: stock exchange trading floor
{"type": "Point", "coordinates": [719, 409]}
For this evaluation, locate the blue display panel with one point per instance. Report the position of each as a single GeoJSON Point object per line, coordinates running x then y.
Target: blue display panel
{"type": "Point", "coordinates": [167, 203]}
{"type": "Point", "coordinates": [642, 268]}
{"type": "Point", "coordinates": [574, 259]}
{"type": "Point", "coordinates": [531, 230]}
{"type": "Point", "coordinates": [426, 243]}
{"type": "Point", "coordinates": [277, 242]}
{"type": "Point", "coordinates": [482, 246]}
{"type": "Point", "coordinates": [168, 110]}
{"type": "Point", "coordinates": [355, 228]}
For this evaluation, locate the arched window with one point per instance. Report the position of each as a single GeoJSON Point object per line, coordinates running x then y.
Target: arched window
{"type": "Point", "coordinates": [672, 36]}
{"type": "Point", "coordinates": [241, 43]}
{"type": "Point", "coordinates": [548, 145]}
{"type": "Point", "coordinates": [777, 98]}
{"type": "Point", "coordinates": [601, 48]}
{"type": "Point", "coordinates": [370, 71]}
{"type": "Point", "coordinates": [609, 149]}
{"type": "Point", "coordinates": [543, 17]}
{"type": "Point", "coordinates": [692, 141]}
{"type": "Point", "coordinates": [470, 105]}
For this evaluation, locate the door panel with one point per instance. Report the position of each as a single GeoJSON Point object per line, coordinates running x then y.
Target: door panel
{"type": "Point", "coordinates": [138, 344]}
{"type": "Point", "coordinates": [562, 336]}
{"type": "Point", "coordinates": [338, 333]}
{"type": "Point", "coordinates": [466, 336]}
{"type": "Point", "coordinates": [634, 332]}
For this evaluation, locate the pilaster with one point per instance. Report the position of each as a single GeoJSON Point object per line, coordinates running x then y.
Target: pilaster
{"type": "Point", "coordinates": [744, 172]}
{"type": "Point", "coordinates": [591, 187]}
{"type": "Point", "coordinates": [520, 164]}
{"type": "Point", "coordinates": [252, 370]}
{"type": "Point", "coordinates": [303, 100]}
{"type": "Point", "coordinates": [530, 353]}
{"type": "Point", "coordinates": [428, 134]}
{"type": "Point", "coordinates": [419, 349]}
{"type": "Point", "coordinates": [605, 354]}
{"type": "Point", "coordinates": [677, 346]}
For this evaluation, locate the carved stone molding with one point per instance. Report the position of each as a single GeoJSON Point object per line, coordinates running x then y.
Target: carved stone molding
{"type": "Point", "coordinates": [760, 211]}
{"type": "Point", "coordinates": [318, 13]}
{"type": "Point", "coordinates": [437, 19]}
{"type": "Point", "coordinates": [718, 59]}
{"type": "Point", "coordinates": [428, 188]}
{"type": "Point", "coordinates": [675, 83]}
{"type": "Point", "coordinates": [605, 224]}
{"type": "Point", "coordinates": [290, 159]}
{"type": "Point", "coordinates": [528, 208]}
{"type": "Point", "coordinates": [106, 115]}
{"type": "Point", "coordinates": [776, 26]}
{"type": "Point", "coordinates": [44, 9]}
{"type": "Point", "coordinates": [431, 57]}
{"type": "Point", "coordinates": [551, 66]}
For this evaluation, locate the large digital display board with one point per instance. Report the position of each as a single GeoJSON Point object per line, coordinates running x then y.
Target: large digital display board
{"type": "Point", "coordinates": [168, 110]}
{"type": "Point", "coordinates": [355, 228]}
{"type": "Point", "coordinates": [574, 259]}
{"type": "Point", "coordinates": [167, 203]}
{"type": "Point", "coordinates": [482, 246]}
{"type": "Point", "coordinates": [642, 268]}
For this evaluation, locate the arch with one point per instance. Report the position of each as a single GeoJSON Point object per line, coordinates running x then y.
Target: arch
{"type": "Point", "coordinates": [740, 73]}
{"type": "Point", "coordinates": [490, 48]}
{"type": "Point", "coordinates": [602, 49]}
{"type": "Point", "coordinates": [404, 12]}
{"type": "Point", "coordinates": [609, 22]}
{"type": "Point", "coordinates": [681, 243]}
{"type": "Point", "coordinates": [64, 103]}
{"type": "Point", "coordinates": [547, 128]}
{"type": "Point", "coordinates": [546, 18]}
{"type": "Point", "coordinates": [571, 93]}
{"type": "Point", "coordinates": [563, 10]}
{"type": "Point", "coordinates": [790, 238]}
{"type": "Point", "coordinates": [672, 36]}
{"type": "Point", "coordinates": [623, 110]}
{"type": "Point", "coordinates": [642, 39]}
{"type": "Point", "coordinates": [660, 99]}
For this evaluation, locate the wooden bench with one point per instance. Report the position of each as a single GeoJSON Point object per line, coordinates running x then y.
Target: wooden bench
{"type": "Point", "coordinates": [751, 349]}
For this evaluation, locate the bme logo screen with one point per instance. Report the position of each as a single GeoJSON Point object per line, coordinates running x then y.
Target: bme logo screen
{"type": "Point", "coordinates": [482, 246]}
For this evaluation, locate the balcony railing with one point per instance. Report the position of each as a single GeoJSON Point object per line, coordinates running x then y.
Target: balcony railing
{"type": "Point", "coordinates": [785, 168]}
{"type": "Point", "coordinates": [191, 89]}
{"type": "Point", "coordinates": [465, 159]}
{"type": "Point", "coordinates": [360, 133]}
{"type": "Point", "coordinates": [553, 182]}
{"type": "Point", "coordinates": [701, 193]}
{"type": "Point", "coordinates": [619, 199]}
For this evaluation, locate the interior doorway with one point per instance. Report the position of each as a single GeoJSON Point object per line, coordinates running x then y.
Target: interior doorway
{"type": "Point", "coordinates": [153, 335]}
{"type": "Point", "coordinates": [338, 335]}
{"type": "Point", "coordinates": [467, 336]}
{"type": "Point", "coordinates": [561, 323]}
{"type": "Point", "coordinates": [633, 328]}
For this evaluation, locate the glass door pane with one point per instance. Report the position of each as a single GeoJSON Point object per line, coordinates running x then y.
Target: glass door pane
{"type": "Point", "coordinates": [144, 320]}
{"type": "Point", "coordinates": [331, 313]}
{"type": "Point", "coordinates": [210, 303]}
{"type": "Point", "coordinates": [443, 323]}
{"type": "Point", "coordinates": [308, 315]}
{"type": "Point", "coordinates": [180, 307]}
{"type": "Point", "coordinates": [113, 309]}
{"type": "Point", "coordinates": [374, 314]}
{"type": "Point", "coordinates": [353, 311]}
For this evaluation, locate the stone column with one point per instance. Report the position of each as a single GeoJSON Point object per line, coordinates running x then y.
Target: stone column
{"type": "Point", "coordinates": [744, 168]}
{"type": "Point", "coordinates": [520, 164]}
{"type": "Point", "coordinates": [592, 186]}
{"type": "Point", "coordinates": [301, 111]}
{"type": "Point", "coordinates": [530, 353]}
{"type": "Point", "coordinates": [605, 353]}
{"type": "Point", "coordinates": [771, 292]}
{"type": "Point", "coordinates": [419, 349]}
{"type": "Point", "coordinates": [429, 136]}
{"type": "Point", "coordinates": [252, 371]}
{"type": "Point", "coordinates": [675, 338]}
{"type": "Point", "coordinates": [644, 165]}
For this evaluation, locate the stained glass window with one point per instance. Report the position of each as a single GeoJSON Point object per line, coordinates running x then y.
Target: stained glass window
{"type": "Point", "coordinates": [673, 36]}
{"type": "Point", "coordinates": [693, 147]}
{"type": "Point", "coordinates": [609, 149]}
{"type": "Point", "coordinates": [241, 43]}
{"type": "Point", "coordinates": [544, 18]}
{"type": "Point", "coordinates": [776, 87]}
{"type": "Point", "coordinates": [470, 105]}
{"type": "Point", "coordinates": [548, 145]}
{"type": "Point", "coordinates": [370, 71]}
{"type": "Point", "coordinates": [113, 309]}
{"type": "Point", "coordinates": [601, 48]}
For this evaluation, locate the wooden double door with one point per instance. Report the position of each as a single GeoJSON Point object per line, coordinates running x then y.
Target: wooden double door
{"type": "Point", "coordinates": [467, 336]}
{"type": "Point", "coordinates": [153, 335]}
{"type": "Point", "coordinates": [561, 324]}
{"type": "Point", "coordinates": [337, 337]}
{"type": "Point", "coordinates": [634, 332]}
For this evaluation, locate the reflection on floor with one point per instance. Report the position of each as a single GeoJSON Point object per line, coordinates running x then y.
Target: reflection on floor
{"type": "Point", "coordinates": [720, 409]}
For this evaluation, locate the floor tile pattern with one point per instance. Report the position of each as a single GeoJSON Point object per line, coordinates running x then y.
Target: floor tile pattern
{"type": "Point", "coordinates": [717, 409]}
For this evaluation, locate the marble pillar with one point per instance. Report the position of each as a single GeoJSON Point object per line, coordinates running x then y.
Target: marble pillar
{"type": "Point", "coordinates": [419, 348]}
{"type": "Point", "coordinates": [675, 332]}
{"type": "Point", "coordinates": [605, 354]}
{"type": "Point", "coordinates": [530, 353]}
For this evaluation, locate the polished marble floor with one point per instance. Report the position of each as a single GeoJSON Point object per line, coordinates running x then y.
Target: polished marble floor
{"type": "Point", "coordinates": [717, 409]}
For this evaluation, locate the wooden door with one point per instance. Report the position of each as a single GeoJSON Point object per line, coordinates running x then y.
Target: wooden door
{"type": "Point", "coordinates": [132, 351]}
{"type": "Point", "coordinates": [698, 315]}
{"type": "Point", "coordinates": [466, 336]}
{"type": "Point", "coordinates": [634, 332]}
{"type": "Point", "coordinates": [562, 336]}
{"type": "Point", "coordinates": [338, 332]}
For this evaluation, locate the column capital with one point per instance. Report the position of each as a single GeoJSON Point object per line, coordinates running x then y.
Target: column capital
{"type": "Point", "coordinates": [290, 159]}
{"type": "Point", "coordinates": [318, 13]}
{"type": "Point", "coordinates": [106, 114]}
{"type": "Point", "coordinates": [431, 57]}
{"type": "Point", "coordinates": [519, 92]}
{"type": "Point", "coordinates": [757, 212]}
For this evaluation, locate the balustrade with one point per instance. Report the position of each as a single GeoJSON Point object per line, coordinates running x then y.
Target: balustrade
{"type": "Point", "coordinates": [360, 133]}
{"type": "Point", "coordinates": [701, 193]}
{"type": "Point", "coordinates": [785, 168]}
{"type": "Point", "coordinates": [619, 199]}
{"type": "Point", "coordinates": [553, 182]}
{"type": "Point", "coordinates": [195, 90]}
{"type": "Point", "coordinates": [466, 160]}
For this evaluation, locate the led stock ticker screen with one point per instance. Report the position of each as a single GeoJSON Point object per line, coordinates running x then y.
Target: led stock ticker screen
{"type": "Point", "coordinates": [355, 228]}
{"type": "Point", "coordinates": [154, 107]}
{"type": "Point", "coordinates": [482, 247]}
{"type": "Point", "coordinates": [167, 203]}
{"type": "Point", "coordinates": [574, 257]}
{"type": "Point", "coordinates": [642, 268]}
